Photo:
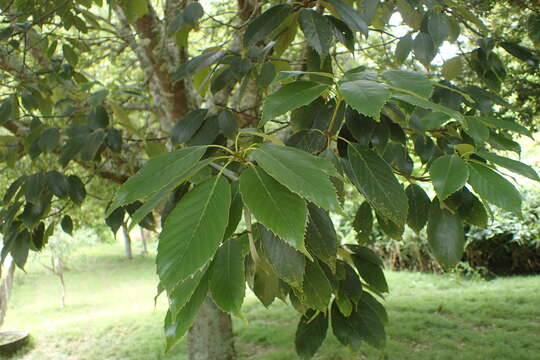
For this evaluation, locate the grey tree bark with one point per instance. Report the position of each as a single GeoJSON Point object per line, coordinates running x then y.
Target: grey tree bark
{"type": "Point", "coordinates": [8, 272]}
{"type": "Point", "coordinates": [211, 336]}
{"type": "Point", "coordinates": [127, 242]}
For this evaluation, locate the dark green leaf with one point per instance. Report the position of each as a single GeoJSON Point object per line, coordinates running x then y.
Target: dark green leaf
{"type": "Point", "coordinates": [115, 220]}
{"type": "Point", "coordinates": [34, 186]}
{"type": "Point", "coordinates": [228, 124]}
{"type": "Point", "coordinates": [198, 63]}
{"type": "Point", "coordinates": [92, 144]}
{"type": "Point", "coordinates": [57, 183]}
{"type": "Point", "coordinates": [403, 48]}
{"type": "Point", "coordinates": [365, 96]}
{"type": "Point", "coordinates": [321, 237]}
{"type": "Point", "coordinates": [310, 333]}
{"type": "Point", "coordinates": [265, 23]}
{"type": "Point", "coordinates": [363, 222]}
{"type": "Point", "coordinates": [317, 30]}
{"type": "Point", "coordinates": [228, 282]}
{"type": "Point", "coordinates": [369, 266]}
{"type": "Point", "coordinates": [375, 180]}
{"type": "Point", "coordinates": [20, 248]}
{"type": "Point", "coordinates": [350, 16]}
{"type": "Point", "coordinates": [510, 164]}
{"type": "Point", "coordinates": [469, 208]}
{"type": "Point", "coordinates": [290, 97]}
{"type": "Point", "coordinates": [193, 230]}
{"type": "Point", "coordinates": [438, 27]}
{"type": "Point", "coordinates": [114, 140]}
{"type": "Point", "coordinates": [267, 74]}
{"type": "Point", "coordinates": [49, 139]}
{"type": "Point", "coordinates": [520, 52]}
{"type": "Point", "coordinates": [316, 288]}
{"type": "Point", "coordinates": [389, 228]}
{"type": "Point", "coordinates": [445, 235]}
{"type": "Point", "coordinates": [342, 32]}
{"type": "Point", "coordinates": [67, 225]}
{"type": "Point", "coordinates": [183, 291]}
{"type": "Point", "coordinates": [449, 173]}
{"type": "Point", "coordinates": [185, 128]}
{"type": "Point", "coordinates": [494, 188]}
{"type": "Point", "coordinates": [423, 48]}
{"type": "Point", "coordinates": [419, 204]}
{"type": "Point", "coordinates": [280, 210]}
{"type": "Point", "coordinates": [505, 124]}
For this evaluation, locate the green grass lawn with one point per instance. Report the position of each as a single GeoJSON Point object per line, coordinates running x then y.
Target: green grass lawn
{"type": "Point", "coordinates": [110, 314]}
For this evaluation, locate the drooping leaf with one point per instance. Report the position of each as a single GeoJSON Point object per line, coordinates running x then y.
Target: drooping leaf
{"type": "Point", "coordinates": [445, 235]}
{"type": "Point", "coordinates": [287, 263]}
{"type": "Point", "coordinates": [317, 30]}
{"type": "Point", "coordinates": [296, 170]}
{"type": "Point", "coordinates": [310, 333]}
{"type": "Point", "coordinates": [468, 207]}
{"type": "Point", "coordinates": [193, 230]}
{"type": "Point", "coordinates": [374, 179]}
{"type": "Point", "coordinates": [403, 48]}
{"type": "Point", "coordinates": [350, 16]}
{"type": "Point", "coordinates": [290, 97]}
{"type": "Point", "coordinates": [321, 237]}
{"type": "Point", "coordinates": [228, 283]}
{"type": "Point", "coordinates": [363, 222]}
{"type": "Point", "coordinates": [419, 204]}
{"type": "Point", "coordinates": [157, 173]}
{"type": "Point", "coordinates": [265, 23]}
{"type": "Point", "coordinates": [494, 188]}
{"type": "Point", "coordinates": [185, 128]}
{"type": "Point", "coordinates": [115, 219]}
{"type": "Point", "coordinates": [77, 191]}
{"type": "Point", "coordinates": [369, 266]}
{"type": "Point", "coordinates": [423, 48]}
{"type": "Point", "coordinates": [49, 139]}
{"type": "Point", "coordinates": [513, 165]}
{"type": "Point", "coordinates": [183, 291]}
{"type": "Point", "coordinates": [57, 183]}
{"type": "Point", "coordinates": [365, 96]}
{"type": "Point", "coordinates": [228, 124]}
{"type": "Point", "coordinates": [505, 124]}
{"type": "Point", "coordinates": [280, 210]}
{"type": "Point", "coordinates": [67, 225]}
{"type": "Point", "coordinates": [449, 173]}
{"type": "Point", "coordinates": [317, 290]}
{"type": "Point", "coordinates": [452, 68]}
{"type": "Point", "coordinates": [438, 27]}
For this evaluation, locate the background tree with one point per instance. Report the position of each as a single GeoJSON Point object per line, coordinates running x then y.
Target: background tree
{"type": "Point", "coordinates": [238, 124]}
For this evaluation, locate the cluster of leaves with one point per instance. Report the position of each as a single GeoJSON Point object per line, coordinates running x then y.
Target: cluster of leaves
{"type": "Point", "coordinates": [383, 132]}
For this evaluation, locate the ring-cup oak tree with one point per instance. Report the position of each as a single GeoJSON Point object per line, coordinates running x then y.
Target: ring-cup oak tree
{"type": "Point", "coordinates": [239, 126]}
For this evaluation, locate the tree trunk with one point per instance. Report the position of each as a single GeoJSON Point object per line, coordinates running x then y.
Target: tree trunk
{"type": "Point", "coordinates": [5, 287]}
{"type": "Point", "coordinates": [127, 242]}
{"type": "Point", "coordinates": [143, 242]}
{"type": "Point", "coordinates": [211, 336]}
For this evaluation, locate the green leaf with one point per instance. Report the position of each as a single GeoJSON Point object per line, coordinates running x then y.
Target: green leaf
{"type": "Point", "coordinates": [423, 48]}
{"type": "Point", "coordinates": [175, 330]}
{"type": "Point", "coordinates": [494, 188]}
{"type": "Point", "coordinates": [193, 230]}
{"type": "Point", "coordinates": [321, 237]}
{"type": "Point", "coordinates": [92, 144]}
{"type": "Point", "coordinates": [114, 140]}
{"type": "Point", "coordinates": [158, 172]}
{"type": "Point", "coordinates": [403, 48]}
{"type": "Point", "coordinates": [265, 286]}
{"type": "Point", "coordinates": [520, 52]}
{"type": "Point", "coordinates": [317, 30]}
{"type": "Point", "coordinates": [424, 103]}
{"type": "Point", "coordinates": [296, 170]}
{"type": "Point", "coordinates": [363, 222]}
{"type": "Point", "coordinates": [134, 9]}
{"type": "Point", "coordinates": [49, 139]}
{"type": "Point", "coordinates": [452, 68]}
{"type": "Point", "coordinates": [235, 213]}
{"type": "Point", "coordinates": [310, 333]}
{"type": "Point", "coordinates": [57, 183]}
{"type": "Point", "coordinates": [419, 204]}
{"type": "Point", "coordinates": [510, 164]}
{"type": "Point", "coordinates": [350, 286]}
{"type": "Point", "coordinates": [70, 55]}
{"type": "Point", "coordinates": [477, 130]}
{"type": "Point", "coordinates": [287, 263]}
{"type": "Point", "coordinates": [365, 96]}
{"type": "Point", "coordinates": [317, 290]}
{"type": "Point", "coordinates": [20, 248]}
{"type": "Point", "coordinates": [533, 27]}
{"type": "Point", "coordinates": [342, 32]}
{"type": "Point", "coordinates": [265, 23]}
{"type": "Point", "coordinates": [280, 210]}
{"type": "Point", "coordinates": [505, 124]}
{"type": "Point", "coordinates": [469, 208]}
{"type": "Point", "coordinates": [228, 124]}
{"type": "Point", "coordinates": [411, 81]}
{"type": "Point", "coordinates": [228, 282]}
{"type": "Point", "coordinates": [290, 97]}
{"type": "Point", "coordinates": [369, 266]}
{"type": "Point", "coordinates": [438, 27]}
{"type": "Point", "coordinates": [183, 291]}
{"type": "Point", "coordinates": [186, 127]}
{"type": "Point", "coordinates": [76, 191]}
{"type": "Point", "coordinates": [350, 16]}
{"type": "Point", "coordinates": [449, 173]}
{"type": "Point", "coordinates": [115, 220]}
{"type": "Point", "coordinates": [446, 237]}
{"type": "Point", "coordinates": [375, 180]}
{"type": "Point", "coordinates": [389, 228]}
{"type": "Point", "coordinates": [198, 63]}
{"type": "Point", "coordinates": [67, 225]}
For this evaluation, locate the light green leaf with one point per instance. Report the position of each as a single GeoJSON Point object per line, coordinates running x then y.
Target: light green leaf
{"type": "Point", "coordinates": [452, 68]}
{"type": "Point", "coordinates": [374, 178]}
{"type": "Point", "coordinates": [513, 165]}
{"type": "Point", "coordinates": [296, 170]}
{"type": "Point", "coordinates": [193, 230]}
{"type": "Point", "coordinates": [446, 237]}
{"type": "Point", "coordinates": [280, 210]}
{"type": "Point", "coordinates": [412, 81]}
{"type": "Point", "coordinates": [449, 173]}
{"type": "Point", "coordinates": [228, 282]}
{"type": "Point", "coordinates": [317, 30]}
{"type": "Point", "coordinates": [134, 9]}
{"type": "Point", "coordinates": [494, 188]}
{"type": "Point", "coordinates": [366, 97]}
{"type": "Point", "coordinates": [157, 173]}
{"type": "Point", "coordinates": [290, 97]}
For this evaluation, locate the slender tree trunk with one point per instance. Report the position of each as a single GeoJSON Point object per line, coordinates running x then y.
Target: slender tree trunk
{"type": "Point", "coordinates": [127, 242]}
{"type": "Point", "coordinates": [143, 242]}
{"type": "Point", "coordinates": [211, 336]}
{"type": "Point", "coordinates": [5, 287]}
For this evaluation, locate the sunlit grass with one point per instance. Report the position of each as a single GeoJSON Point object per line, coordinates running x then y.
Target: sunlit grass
{"type": "Point", "coordinates": [110, 314]}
